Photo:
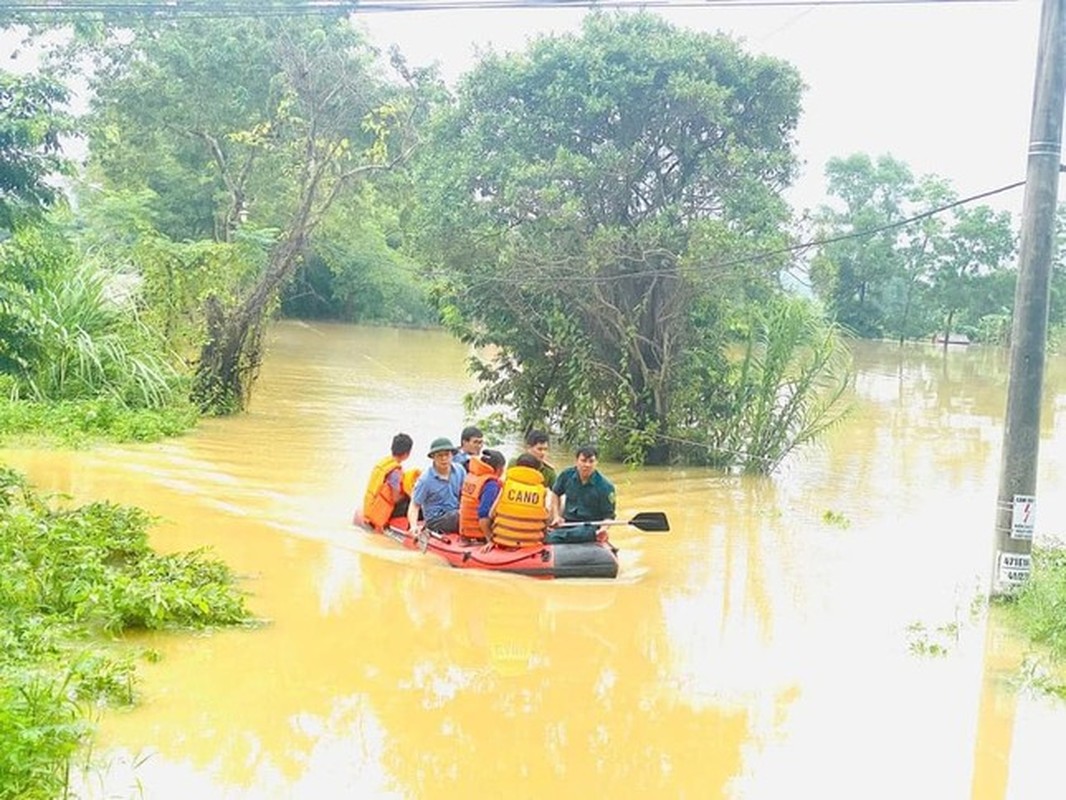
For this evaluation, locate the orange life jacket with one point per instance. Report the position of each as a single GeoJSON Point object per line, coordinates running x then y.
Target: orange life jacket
{"type": "Point", "coordinates": [478, 474]}
{"type": "Point", "coordinates": [379, 499]}
{"type": "Point", "coordinates": [521, 517]}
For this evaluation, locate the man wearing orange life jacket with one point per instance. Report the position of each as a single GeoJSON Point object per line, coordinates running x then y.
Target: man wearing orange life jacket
{"type": "Point", "coordinates": [481, 487]}
{"type": "Point", "coordinates": [385, 495]}
{"type": "Point", "coordinates": [520, 515]}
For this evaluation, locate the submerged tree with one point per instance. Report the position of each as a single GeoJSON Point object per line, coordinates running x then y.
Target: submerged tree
{"type": "Point", "coordinates": [588, 204]}
{"type": "Point", "coordinates": [856, 274]}
{"type": "Point", "coordinates": [904, 257]}
{"type": "Point", "coordinates": [260, 125]}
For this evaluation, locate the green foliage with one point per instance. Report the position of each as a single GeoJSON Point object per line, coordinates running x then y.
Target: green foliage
{"type": "Point", "coordinates": [792, 383]}
{"type": "Point", "coordinates": [936, 643]}
{"type": "Point", "coordinates": [75, 330]}
{"type": "Point", "coordinates": [31, 124]}
{"type": "Point", "coordinates": [1057, 304]}
{"type": "Point", "coordinates": [76, 423]}
{"type": "Point", "coordinates": [853, 275]}
{"type": "Point", "coordinates": [788, 383]}
{"type": "Point", "coordinates": [836, 518]}
{"type": "Point", "coordinates": [941, 273]}
{"type": "Point", "coordinates": [172, 279]}
{"type": "Point", "coordinates": [41, 729]}
{"type": "Point", "coordinates": [239, 126]}
{"type": "Point", "coordinates": [578, 199]}
{"type": "Point", "coordinates": [1040, 605]}
{"type": "Point", "coordinates": [66, 574]}
{"type": "Point", "coordinates": [359, 272]}
{"type": "Point", "coordinates": [969, 278]}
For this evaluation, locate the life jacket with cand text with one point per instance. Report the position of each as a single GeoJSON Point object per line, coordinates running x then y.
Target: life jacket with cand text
{"type": "Point", "coordinates": [521, 517]}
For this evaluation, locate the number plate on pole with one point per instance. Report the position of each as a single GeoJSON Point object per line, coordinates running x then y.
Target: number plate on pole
{"type": "Point", "coordinates": [1013, 568]}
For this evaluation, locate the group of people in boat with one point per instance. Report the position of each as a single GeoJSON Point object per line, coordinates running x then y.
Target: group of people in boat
{"type": "Point", "coordinates": [477, 493]}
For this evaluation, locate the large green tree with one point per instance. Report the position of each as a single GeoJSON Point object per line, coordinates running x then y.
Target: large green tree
{"type": "Point", "coordinates": [903, 257]}
{"type": "Point", "coordinates": [245, 130]}
{"type": "Point", "coordinates": [589, 204]}
{"type": "Point", "coordinates": [855, 274]}
{"type": "Point", "coordinates": [976, 250]}
{"type": "Point", "coordinates": [32, 122]}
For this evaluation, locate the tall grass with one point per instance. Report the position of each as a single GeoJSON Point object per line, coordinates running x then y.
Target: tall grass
{"type": "Point", "coordinates": [791, 384]}
{"type": "Point", "coordinates": [1040, 605]}
{"type": "Point", "coordinates": [90, 343]}
{"type": "Point", "coordinates": [71, 332]}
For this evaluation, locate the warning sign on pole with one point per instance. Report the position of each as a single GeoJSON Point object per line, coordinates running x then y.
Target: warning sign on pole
{"type": "Point", "coordinates": [1023, 517]}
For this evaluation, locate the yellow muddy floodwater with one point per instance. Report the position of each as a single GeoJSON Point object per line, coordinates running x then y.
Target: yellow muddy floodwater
{"type": "Point", "coordinates": [774, 645]}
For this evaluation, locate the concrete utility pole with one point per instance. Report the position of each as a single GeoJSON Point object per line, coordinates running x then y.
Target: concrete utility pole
{"type": "Point", "coordinates": [1016, 505]}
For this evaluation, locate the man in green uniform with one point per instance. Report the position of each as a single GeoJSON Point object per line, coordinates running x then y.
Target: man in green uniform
{"type": "Point", "coordinates": [537, 446]}
{"type": "Point", "coordinates": [589, 497]}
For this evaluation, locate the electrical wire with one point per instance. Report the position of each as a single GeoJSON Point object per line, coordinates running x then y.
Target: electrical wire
{"type": "Point", "coordinates": [753, 258]}
{"type": "Point", "coordinates": [193, 9]}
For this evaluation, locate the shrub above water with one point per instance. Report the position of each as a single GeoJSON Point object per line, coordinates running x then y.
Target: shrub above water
{"type": "Point", "coordinates": [67, 577]}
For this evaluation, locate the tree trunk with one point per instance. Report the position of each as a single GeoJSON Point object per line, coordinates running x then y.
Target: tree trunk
{"type": "Point", "coordinates": [231, 355]}
{"type": "Point", "coordinates": [947, 328]}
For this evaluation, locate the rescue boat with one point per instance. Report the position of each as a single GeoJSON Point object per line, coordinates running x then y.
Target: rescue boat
{"type": "Point", "coordinates": [597, 559]}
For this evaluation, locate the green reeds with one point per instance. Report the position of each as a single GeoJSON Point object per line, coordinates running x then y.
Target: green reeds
{"type": "Point", "coordinates": [791, 385]}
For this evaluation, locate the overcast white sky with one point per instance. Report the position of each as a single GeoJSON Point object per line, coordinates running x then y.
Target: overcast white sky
{"type": "Point", "coordinates": [945, 87]}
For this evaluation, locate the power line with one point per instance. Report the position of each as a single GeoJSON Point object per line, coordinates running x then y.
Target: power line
{"type": "Point", "coordinates": [257, 8]}
{"type": "Point", "coordinates": [763, 255]}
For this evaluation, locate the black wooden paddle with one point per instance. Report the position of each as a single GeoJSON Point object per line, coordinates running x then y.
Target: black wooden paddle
{"type": "Point", "coordinates": [646, 521]}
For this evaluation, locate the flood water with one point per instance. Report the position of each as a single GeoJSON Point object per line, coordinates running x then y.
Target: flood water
{"type": "Point", "coordinates": [775, 644]}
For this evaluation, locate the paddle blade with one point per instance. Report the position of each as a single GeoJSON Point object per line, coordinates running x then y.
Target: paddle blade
{"type": "Point", "coordinates": [651, 521]}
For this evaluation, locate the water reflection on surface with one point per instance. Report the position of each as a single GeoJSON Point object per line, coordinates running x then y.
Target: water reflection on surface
{"type": "Point", "coordinates": [763, 649]}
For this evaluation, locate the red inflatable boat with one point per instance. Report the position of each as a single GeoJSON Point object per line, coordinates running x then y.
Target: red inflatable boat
{"type": "Point", "coordinates": [584, 560]}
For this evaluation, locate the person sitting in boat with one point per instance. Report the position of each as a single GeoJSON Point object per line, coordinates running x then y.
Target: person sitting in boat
{"type": "Point", "coordinates": [519, 517]}
{"type": "Point", "coordinates": [436, 493]}
{"type": "Point", "coordinates": [480, 490]}
{"type": "Point", "coordinates": [470, 443]}
{"type": "Point", "coordinates": [537, 445]}
{"type": "Point", "coordinates": [386, 495]}
{"type": "Point", "coordinates": [589, 497]}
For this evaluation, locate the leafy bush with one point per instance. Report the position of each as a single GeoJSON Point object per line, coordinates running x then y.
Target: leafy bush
{"type": "Point", "coordinates": [788, 383]}
{"type": "Point", "coordinates": [40, 729]}
{"type": "Point", "coordinates": [72, 330]}
{"type": "Point", "coordinates": [1041, 603]}
{"type": "Point", "coordinates": [67, 575]}
{"type": "Point", "coordinates": [79, 422]}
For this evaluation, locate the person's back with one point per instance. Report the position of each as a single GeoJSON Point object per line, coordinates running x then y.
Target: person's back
{"type": "Point", "coordinates": [385, 496]}
{"type": "Point", "coordinates": [537, 446]}
{"type": "Point", "coordinates": [480, 490]}
{"type": "Point", "coordinates": [520, 516]}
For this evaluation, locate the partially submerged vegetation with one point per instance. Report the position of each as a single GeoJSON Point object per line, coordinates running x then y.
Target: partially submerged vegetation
{"type": "Point", "coordinates": [1039, 611]}
{"type": "Point", "coordinates": [77, 360]}
{"type": "Point", "coordinates": [77, 423]}
{"type": "Point", "coordinates": [71, 581]}
{"type": "Point", "coordinates": [604, 211]}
